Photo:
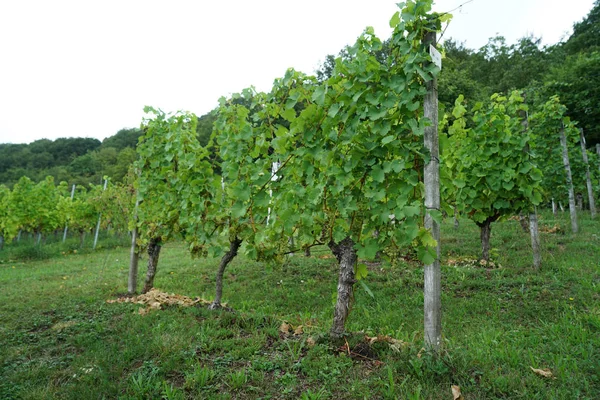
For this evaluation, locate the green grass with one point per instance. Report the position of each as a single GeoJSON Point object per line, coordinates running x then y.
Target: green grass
{"type": "Point", "coordinates": [60, 339]}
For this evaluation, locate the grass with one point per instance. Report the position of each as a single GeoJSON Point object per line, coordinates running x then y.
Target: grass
{"type": "Point", "coordinates": [60, 339]}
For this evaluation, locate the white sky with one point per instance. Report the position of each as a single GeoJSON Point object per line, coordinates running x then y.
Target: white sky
{"type": "Point", "coordinates": [87, 68]}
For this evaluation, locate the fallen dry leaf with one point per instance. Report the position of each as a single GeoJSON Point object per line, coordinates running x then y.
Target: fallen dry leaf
{"type": "Point", "coordinates": [311, 342]}
{"type": "Point", "coordinates": [546, 373]}
{"type": "Point", "coordinates": [298, 330]}
{"type": "Point", "coordinates": [395, 344]}
{"type": "Point", "coordinates": [285, 328]}
{"type": "Point", "coordinates": [155, 300]}
{"type": "Point", "coordinates": [548, 229]}
{"type": "Point", "coordinates": [456, 395]}
{"type": "Point", "coordinates": [420, 353]}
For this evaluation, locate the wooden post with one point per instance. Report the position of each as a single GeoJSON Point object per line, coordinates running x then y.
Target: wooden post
{"type": "Point", "coordinates": [134, 255]}
{"type": "Point", "coordinates": [533, 224]}
{"type": "Point", "coordinates": [572, 208]}
{"type": "Point", "coordinates": [535, 239]}
{"type": "Point", "coordinates": [99, 218]}
{"type": "Point", "coordinates": [66, 223]}
{"type": "Point", "coordinates": [432, 272]}
{"type": "Point", "coordinates": [598, 153]}
{"type": "Point", "coordinates": [588, 179]}
{"type": "Point", "coordinates": [274, 168]}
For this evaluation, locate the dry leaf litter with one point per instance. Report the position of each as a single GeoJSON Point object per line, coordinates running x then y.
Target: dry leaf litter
{"type": "Point", "coordinates": [155, 299]}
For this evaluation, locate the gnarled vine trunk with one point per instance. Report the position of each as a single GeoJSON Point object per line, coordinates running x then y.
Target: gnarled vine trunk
{"type": "Point", "coordinates": [81, 238]}
{"type": "Point", "coordinates": [486, 232]}
{"type": "Point", "coordinates": [346, 255]}
{"type": "Point", "coordinates": [456, 221]}
{"type": "Point", "coordinates": [524, 222]}
{"type": "Point", "coordinates": [153, 253]}
{"type": "Point", "coordinates": [234, 246]}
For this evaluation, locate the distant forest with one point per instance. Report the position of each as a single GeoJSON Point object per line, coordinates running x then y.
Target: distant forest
{"type": "Point", "coordinates": [78, 161]}
{"type": "Point", "coordinates": [570, 69]}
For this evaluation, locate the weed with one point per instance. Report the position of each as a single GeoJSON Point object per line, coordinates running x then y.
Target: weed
{"type": "Point", "coordinates": [200, 378]}
{"type": "Point", "coordinates": [237, 380]}
{"type": "Point", "coordinates": [310, 395]}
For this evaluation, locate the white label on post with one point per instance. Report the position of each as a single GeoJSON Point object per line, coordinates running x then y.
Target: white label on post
{"type": "Point", "coordinates": [436, 56]}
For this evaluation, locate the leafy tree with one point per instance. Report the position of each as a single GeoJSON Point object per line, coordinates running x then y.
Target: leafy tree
{"type": "Point", "coordinates": [552, 126]}
{"type": "Point", "coordinates": [8, 222]}
{"type": "Point", "coordinates": [22, 205]}
{"type": "Point", "coordinates": [577, 82]}
{"type": "Point", "coordinates": [586, 33]}
{"type": "Point", "coordinates": [64, 150]}
{"type": "Point", "coordinates": [81, 213]}
{"type": "Point", "coordinates": [125, 138]}
{"type": "Point", "coordinates": [493, 172]}
{"type": "Point", "coordinates": [114, 203]}
{"type": "Point", "coordinates": [86, 166]}
{"type": "Point", "coordinates": [160, 185]}
{"type": "Point", "coordinates": [456, 76]}
{"type": "Point", "coordinates": [205, 127]}
{"type": "Point", "coordinates": [45, 198]}
{"type": "Point", "coordinates": [358, 139]}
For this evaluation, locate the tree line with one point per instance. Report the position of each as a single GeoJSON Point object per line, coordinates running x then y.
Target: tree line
{"type": "Point", "coordinates": [569, 69]}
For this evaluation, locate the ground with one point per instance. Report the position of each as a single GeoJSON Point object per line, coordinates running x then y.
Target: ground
{"type": "Point", "coordinates": [60, 338]}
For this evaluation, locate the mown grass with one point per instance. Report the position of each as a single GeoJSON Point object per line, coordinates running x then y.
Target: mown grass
{"type": "Point", "coordinates": [60, 339]}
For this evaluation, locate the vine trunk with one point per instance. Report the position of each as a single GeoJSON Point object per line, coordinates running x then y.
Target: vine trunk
{"type": "Point", "coordinates": [346, 255]}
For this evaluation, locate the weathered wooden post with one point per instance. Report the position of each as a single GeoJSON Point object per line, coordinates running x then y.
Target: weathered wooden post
{"type": "Point", "coordinates": [432, 272]}
{"type": "Point", "coordinates": [588, 179]}
{"type": "Point", "coordinates": [598, 153]}
{"type": "Point", "coordinates": [533, 221]}
{"type": "Point", "coordinates": [134, 254]}
{"type": "Point", "coordinates": [572, 208]}
{"type": "Point", "coordinates": [535, 239]}
{"type": "Point", "coordinates": [66, 223]}
{"type": "Point", "coordinates": [274, 169]}
{"type": "Point", "coordinates": [99, 218]}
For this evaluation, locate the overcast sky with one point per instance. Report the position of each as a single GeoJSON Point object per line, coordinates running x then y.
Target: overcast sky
{"type": "Point", "coordinates": [87, 68]}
